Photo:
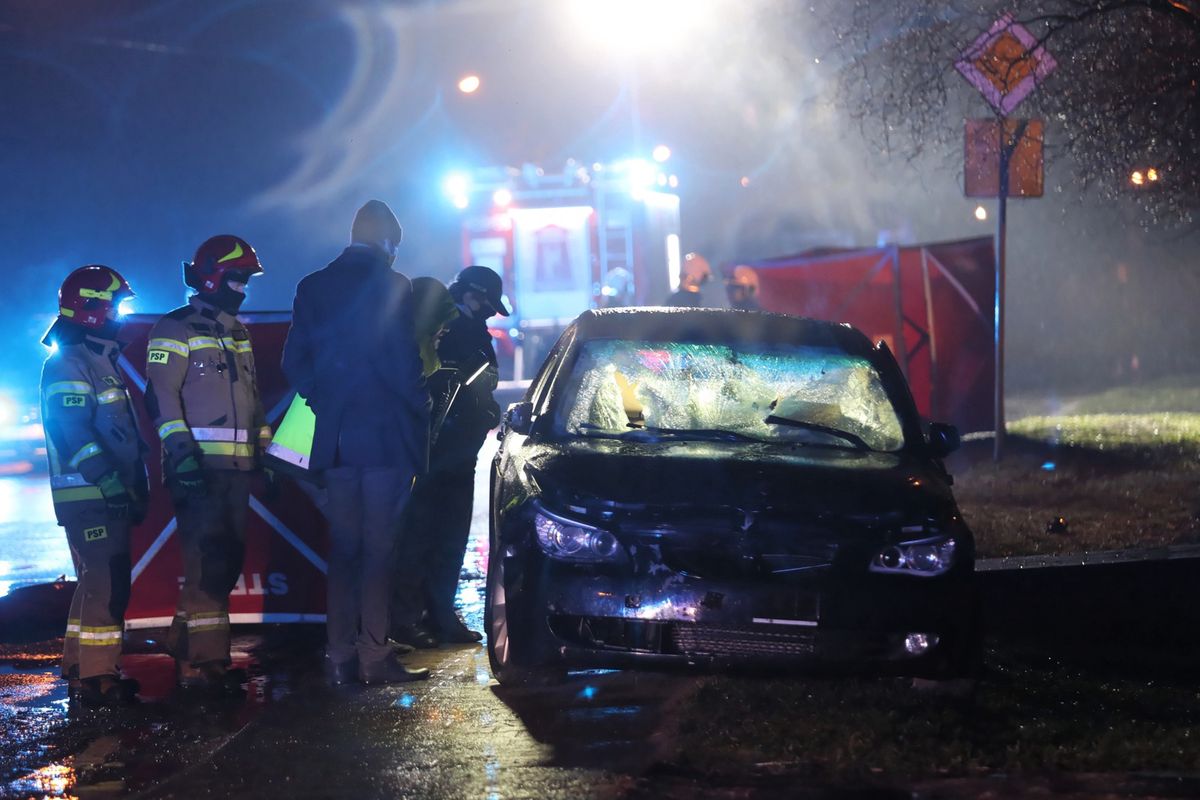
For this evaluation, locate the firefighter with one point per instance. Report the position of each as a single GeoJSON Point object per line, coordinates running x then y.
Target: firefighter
{"type": "Point", "coordinates": [352, 355]}
{"type": "Point", "coordinates": [741, 288]}
{"type": "Point", "coordinates": [202, 395]}
{"type": "Point", "coordinates": [97, 476]}
{"type": "Point", "coordinates": [440, 512]}
{"type": "Point", "coordinates": [692, 276]}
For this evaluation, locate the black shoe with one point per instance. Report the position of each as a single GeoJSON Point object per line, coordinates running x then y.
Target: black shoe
{"type": "Point", "coordinates": [414, 636]}
{"type": "Point", "coordinates": [390, 670]}
{"type": "Point", "coordinates": [340, 672]}
{"type": "Point", "coordinates": [400, 648]}
{"type": "Point", "coordinates": [458, 633]}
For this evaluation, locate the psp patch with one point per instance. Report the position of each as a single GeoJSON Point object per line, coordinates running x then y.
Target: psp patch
{"type": "Point", "coordinates": [74, 400]}
{"type": "Point", "coordinates": [95, 534]}
{"type": "Point", "coordinates": [158, 356]}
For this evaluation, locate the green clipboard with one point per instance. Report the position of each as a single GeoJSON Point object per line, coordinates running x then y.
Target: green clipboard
{"type": "Point", "coordinates": [291, 447]}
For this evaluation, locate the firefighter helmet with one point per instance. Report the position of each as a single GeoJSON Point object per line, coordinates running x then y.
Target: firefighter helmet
{"type": "Point", "coordinates": [220, 256]}
{"type": "Point", "coordinates": [744, 277]}
{"type": "Point", "coordinates": [696, 271]}
{"type": "Point", "coordinates": [741, 287]}
{"type": "Point", "coordinates": [90, 293]}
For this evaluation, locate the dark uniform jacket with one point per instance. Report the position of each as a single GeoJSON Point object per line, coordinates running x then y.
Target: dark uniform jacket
{"type": "Point", "coordinates": [89, 424]}
{"type": "Point", "coordinates": [465, 347]}
{"type": "Point", "coordinates": [352, 355]}
{"type": "Point", "coordinates": [202, 389]}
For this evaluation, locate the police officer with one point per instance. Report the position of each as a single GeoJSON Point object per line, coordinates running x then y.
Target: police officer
{"type": "Point", "coordinates": [202, 395]}
{"type": "Point", "coordinates": [692, 276]}
{"type": "Point", "coordinates": [97, 476]}
{"type": "Point", "coordinates": [352, 355]}
{"type": "Point", "coordinates": [440, 513]}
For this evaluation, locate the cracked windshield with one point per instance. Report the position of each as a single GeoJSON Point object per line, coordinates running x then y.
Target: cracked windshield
{"type": "Point", "coordinates": [809, 395]}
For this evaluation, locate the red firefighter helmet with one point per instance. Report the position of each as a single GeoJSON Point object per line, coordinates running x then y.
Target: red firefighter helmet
{"type": "Point", "coordinates": [695, 272]}
{"type": "Point", "coordinates": [744, 277]}
{"type": "Point", "coordinates": [218, 257]}
{"type": "Point", "coordinates": [89, 293]}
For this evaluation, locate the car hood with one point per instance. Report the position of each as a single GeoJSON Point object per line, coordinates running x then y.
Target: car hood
{"type": "Point", "coordinates": [598, 477]}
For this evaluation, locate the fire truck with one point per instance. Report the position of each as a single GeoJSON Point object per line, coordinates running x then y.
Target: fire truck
{"type": "Point", "coordinates": [585, 236]}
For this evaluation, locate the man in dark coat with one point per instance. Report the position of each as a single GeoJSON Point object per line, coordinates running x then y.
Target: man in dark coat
{"type": "Point", "coordinates": [439, 519]}
{"type": "Point", "coordinates": [351, 353]}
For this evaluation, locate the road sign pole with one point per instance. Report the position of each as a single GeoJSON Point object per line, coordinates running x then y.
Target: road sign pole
{"type": "Point", "coordinates": [1005, 75]}
{"type": "Point", "coordinates": [1005, 150]}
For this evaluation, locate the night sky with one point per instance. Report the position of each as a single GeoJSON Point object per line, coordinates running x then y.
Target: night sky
{"type": "Point", "coordinates": [131, 132]}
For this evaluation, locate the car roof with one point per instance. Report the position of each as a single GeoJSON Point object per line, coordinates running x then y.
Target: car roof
{"type": "Point", "coordinates": [718, 326]}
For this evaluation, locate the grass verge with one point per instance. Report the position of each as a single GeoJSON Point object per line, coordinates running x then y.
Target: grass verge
{"type": "Point", "coordinates": [1118, 480]}
{"type": "Point", "coordinates": [1032, 714]}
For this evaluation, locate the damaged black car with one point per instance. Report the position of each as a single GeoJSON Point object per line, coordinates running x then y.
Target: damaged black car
{"type": "Point", "coordinates": [724, 488]}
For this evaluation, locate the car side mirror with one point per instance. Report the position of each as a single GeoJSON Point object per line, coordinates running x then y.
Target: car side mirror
{"type": "Point", "coordinates": [943, 439]}
{"type": "Point", "coordinates": [518, 418]}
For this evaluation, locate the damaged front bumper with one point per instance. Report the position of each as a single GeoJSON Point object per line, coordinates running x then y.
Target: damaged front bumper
{"type": "Point", "coordinates": [598, 617]}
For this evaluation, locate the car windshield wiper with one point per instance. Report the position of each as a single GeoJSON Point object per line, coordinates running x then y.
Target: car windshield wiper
{"type": "Point", "coordinates": [596, 431]}
{"type": "Point", "coordinates": [852, 438]}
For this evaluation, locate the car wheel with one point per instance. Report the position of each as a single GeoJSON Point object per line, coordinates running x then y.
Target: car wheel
{"type": "Point", "coordinates": [514, 660]}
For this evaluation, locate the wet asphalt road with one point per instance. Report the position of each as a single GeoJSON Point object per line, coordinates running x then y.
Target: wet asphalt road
{"type": "Point", "coordinates": [456, 735]}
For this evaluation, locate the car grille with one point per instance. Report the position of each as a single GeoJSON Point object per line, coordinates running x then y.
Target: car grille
{"type": "Point", "coordinates": [717, 640]}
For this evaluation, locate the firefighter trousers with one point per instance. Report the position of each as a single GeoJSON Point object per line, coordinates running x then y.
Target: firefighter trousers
{"type": "Point", "coordinates": [100, 550]}
{"type": "Point", "coordinates": [212, 536]}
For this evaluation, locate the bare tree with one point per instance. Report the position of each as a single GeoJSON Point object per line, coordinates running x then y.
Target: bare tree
{"type": "Point", "coordinates": [1125, 96]}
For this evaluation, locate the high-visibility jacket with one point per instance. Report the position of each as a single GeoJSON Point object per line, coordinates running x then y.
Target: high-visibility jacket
{"type": "Point", "coordinates": [202, 389]}
{"type": "Point", "coordinates": [89, 424]}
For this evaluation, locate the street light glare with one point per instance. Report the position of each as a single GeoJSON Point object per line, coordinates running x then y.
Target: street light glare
{"type": "Point", "coordinates": [636, 25]}
{"type": "Point", "coordinates": [980, 213]}
{"type": "Point", "coordinates": [502, 198]}
{"type": "Point", "coordinates": [661, 153]}
{"type": "Point", "coordinates": [469, 84]}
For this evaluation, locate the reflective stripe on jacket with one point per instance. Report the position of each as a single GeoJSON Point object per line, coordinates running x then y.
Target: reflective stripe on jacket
{"type": "Point", "coordinates": [89, 425]}
{"type": "Point", "coordinates": [202, 389]}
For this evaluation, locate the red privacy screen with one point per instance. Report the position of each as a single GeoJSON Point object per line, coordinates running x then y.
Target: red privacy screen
{"type": "Point", "coordinates": [283, 578]}
{"type": "Point", "coordinates": [932, 304]}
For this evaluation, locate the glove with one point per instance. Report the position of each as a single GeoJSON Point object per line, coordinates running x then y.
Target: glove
{"type": "Point", "coordinates": [188, 477]}
{"type": "Point", "coordinates": [273, 484]}
{"type": "Point", "coordinates": [141, 499]}
{"type": "Point", "coordinates": [137, 510]}
{"type": "Point", "coordinates": [490, 414]}
{"type": "Point", "coordinates": [116, 496]}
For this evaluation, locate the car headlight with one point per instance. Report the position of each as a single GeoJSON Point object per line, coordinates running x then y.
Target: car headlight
{"type": "Point", "coordinates": [922, 558]}
{"type": "Point", "coordinates": [571, 541]}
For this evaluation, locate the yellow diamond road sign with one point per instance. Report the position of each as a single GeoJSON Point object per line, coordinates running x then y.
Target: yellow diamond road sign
{"type": "Point", "coordinates": [1005, 64]}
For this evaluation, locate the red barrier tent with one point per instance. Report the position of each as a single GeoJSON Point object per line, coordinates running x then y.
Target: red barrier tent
{"type": "Point", "coordinates": [283, 576]}
{"type": "Point", "coordinates": [931, 303]}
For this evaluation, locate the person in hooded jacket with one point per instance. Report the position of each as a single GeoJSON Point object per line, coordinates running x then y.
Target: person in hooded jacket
{"type": "Point", "coordinates": [438, 524]}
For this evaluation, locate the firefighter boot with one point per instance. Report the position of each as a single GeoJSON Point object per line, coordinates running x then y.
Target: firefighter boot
{"type": "Point", "coordinates": [108, 691]}
{"type": "Point", "coordinates": [211, 676]}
